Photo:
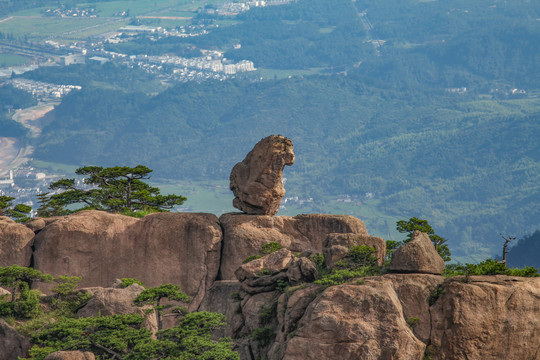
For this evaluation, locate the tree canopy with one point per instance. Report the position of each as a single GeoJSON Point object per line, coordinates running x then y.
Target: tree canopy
{"type": "Point", "coordinates": [18, 212]}
{"type": "Point", "coordinates": [118, 189]}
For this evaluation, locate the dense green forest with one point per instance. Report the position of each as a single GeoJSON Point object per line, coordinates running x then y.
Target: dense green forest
{"type": "Point", "coordinates": [525, 251]}
{"type": "Point", "coordinates": [431, 108]}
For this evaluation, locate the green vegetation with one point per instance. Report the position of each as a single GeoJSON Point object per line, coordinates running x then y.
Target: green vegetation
{"type": "Point", "coordinates": [412, 321]}
{"type": "Point", "coordinates": [251, 258]}
{"type": "Point", "coordinates": [407, 144]}
{"type": "Point", "coordinates": [340, 276]}
{"type": "Point", "coordinates": [435, 294]}
{"type": "Point", "coordinates": [359, 262]}
{"type": "Point", "coordinates": [24, 302]}
{"type": "Point", "coordinates": [153, 296]}
{"type": "Point", "coordinates": [117, 189]}
{"type": "Point", "coordinates": [264, 335]}
{"type": "Point", "coordinates": [12, 60]}
{"type": "Point", "coordinates": [525, 251]}
{"type": "Point", "coordinates": [11, 99]}
{"type": "Point", "coordinates": [387, 124]}
{"type": "Point", "coordinates": [130, 281]}
{"type": "Point", "coordinates": [19, 212]}
{"type": "Point", "coordinates": [270, 248]}
{"type": "Point", "coordinates": [489, 267]}
{"type": "Point", "coordinates": [117, 336]}
{"type": "Point", "coordinates": [109, 79]}
{"type": "Point", "coordinates": [264, 250]}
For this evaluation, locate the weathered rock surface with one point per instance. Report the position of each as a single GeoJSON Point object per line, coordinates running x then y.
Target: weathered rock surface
{"type": "Point", "coordinates": [414, 292]}
{"type": "Point", "coordinates": [182, 249]}
{"type": "Point", "coordinates": [12, 344]}
{"type": "Point", "coordinates": [113, 301]}
{"type": "Point", "coordinates": [417, 256]}
{"type": "Point", "coordinates": [37, 224]}
{"type": "Point", "coordinates": [224, 298]}
{"type": "Point", "coordinates": [4, 293]}
{"type": "Point", "coordinates": [355, 322]}
{"type": "Point", "coordinates": [256, 181]}
{"type": "Point", "coordinates": [244, 235]}
{"type": "Point", "coordinates": [71, 355]}
{"type": "Point", "coordinates": [262, 275]}
{"type": "Point", "coordinates": [336, 247]}
{"type": "Point", "coordinates": [15, 243]}
{"type": "Point", "coordinates": [489, 318]}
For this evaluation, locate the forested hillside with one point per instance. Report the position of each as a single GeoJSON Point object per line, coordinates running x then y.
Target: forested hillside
{"type": "Point", "coordinates": [430, 107]}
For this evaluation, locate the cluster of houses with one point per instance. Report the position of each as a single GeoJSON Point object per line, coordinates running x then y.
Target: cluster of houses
{"type": "Point", "coordinates": [41, 90]}
{"type": "Point", "coordinates": [65, 12]}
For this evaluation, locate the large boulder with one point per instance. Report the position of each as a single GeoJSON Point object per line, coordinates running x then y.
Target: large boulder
{"type": "Point", "coordinates": [244, 235]}
{"type": "Point", "coordinates": [182, 249]}
{"type": "Point", "coordinates": [417, 256]}
{"type": "Point", "coordinates": [116, 301]}
{"type": "Point", "coordinates": [488, 318]}
{"type": "Point", "coordinates": [15, 243]}
{"type": "Point", "coordinates": [12, 344]}
{"type": "Point", "coordinates": [355, 322]}
{"type": "Point", "coordinates": [256, 181]}
{"type": "Point", "coordinates": [336, 247]}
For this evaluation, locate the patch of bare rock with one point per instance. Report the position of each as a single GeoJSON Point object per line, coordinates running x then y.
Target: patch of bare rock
{"type": "Point", "coordinates": [12, 344]}
{"type": "Point", "coordinates": [15, 243]}
{"type": "Point", "coordinates": [177, 248]}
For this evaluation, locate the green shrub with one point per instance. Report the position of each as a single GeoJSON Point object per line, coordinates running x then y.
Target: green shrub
{"type": "Point", "coordinates": [412, 321]}
{"type": "Point", "coordinates": [268, 313]}
{"type": "Point", "coordinates": [340, 276]}
{"type": "Point", "coordinates": [362, 255]}
{"type": "Point", "coordinates": [318, 260]}
{"type": "Point", "coordinates": [66, 284]}
{"type": "Point", "coordinates": [281, 285]}
{"type": "Point", "coordinates": [264, 335]}
{"type": "Point", "coordinates": [488, 267]}
{"type": "Point", "coordinates": [236, 296]}
{"type": "Point", "coordinates": [130, 281]}
{"type": "Point", "coordinates": [263, 272]}
{"type": "Point", "coordinates": [251, 258]}
{"type": "Point", "coordinates": [435, 294]}
{"type": "Point", "coordinates": [269, 248]}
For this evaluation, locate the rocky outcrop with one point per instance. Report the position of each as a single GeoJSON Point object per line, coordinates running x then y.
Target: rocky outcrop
{"type": "Point", "coordinates": [417, 256]}
{"type": "Point", "coordinates": [355, 322]}
{"type": "Point", "coordinates": [487, 317]}
{"type": "Point", "coordinates": [244, 235]}
{"type": "Point", "coordinates": [71, 355]}
{"type": "Point", "coordinates": [15, 243]}
{"type": "Point", "coordinates": [262, 275]}
{"type": "Point", "coordinates": [182, 249]}
{"type": "Point", "coordinates": [336, 247]}
{"type": "Point", "coordinates": [12, 344]}
{"type": "Point", "coordinates": [112, 301]}
{"type": "Point", "coordinates": [256, 181]}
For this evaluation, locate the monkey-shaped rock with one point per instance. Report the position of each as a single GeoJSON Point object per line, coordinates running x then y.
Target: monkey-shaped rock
{"type": "Point", "coordinates": [256, 181]}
